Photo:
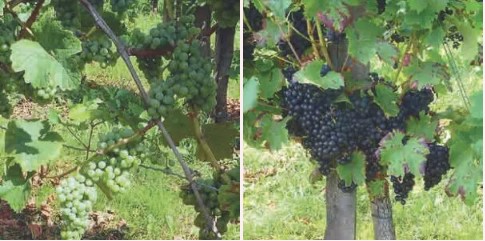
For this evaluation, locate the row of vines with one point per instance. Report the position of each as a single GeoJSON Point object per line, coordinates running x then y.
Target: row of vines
{"type": "Point", "coordinates": [46, 47]}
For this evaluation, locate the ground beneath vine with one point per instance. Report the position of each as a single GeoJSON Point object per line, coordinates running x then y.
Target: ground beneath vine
{"type": "Point", "coordinates": [41, 223]}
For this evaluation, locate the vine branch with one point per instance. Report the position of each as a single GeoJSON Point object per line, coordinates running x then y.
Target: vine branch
{"type": "Point", "coordinates": [124, 55]}
{"type": "Point", "coordinates": [32, 18]}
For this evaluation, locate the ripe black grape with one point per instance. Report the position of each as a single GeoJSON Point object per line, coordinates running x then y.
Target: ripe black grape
{"type": "Point", "coordinates": [254, 18]}
{"type": "Point", "coordinates": [454, 37]}
{"type": "Point", "coordinates": [437, 164]}
{"type": "Point", "coordinates": [402, 186]}
{"type": "Point", "coordinates": [381, 6]}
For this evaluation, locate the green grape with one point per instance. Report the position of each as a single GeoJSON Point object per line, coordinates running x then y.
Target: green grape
{"type": "Point", "coordinates": [76, 201]}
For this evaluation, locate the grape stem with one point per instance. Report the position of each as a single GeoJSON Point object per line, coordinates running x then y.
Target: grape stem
{"type": "Point", "coordinates": [323, 46]}
{"type": "Point", "coordinates": [32, 18]}
{"type": "Point", "coordinates": [399, 60]}
{"type": "Point", "coordinates": [312, 39]}
{"type": "Point", "coordinates": [126, 58]}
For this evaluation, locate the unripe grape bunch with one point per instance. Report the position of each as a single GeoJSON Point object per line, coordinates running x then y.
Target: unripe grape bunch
{"type": "Point", "coordinates": [76, 196]}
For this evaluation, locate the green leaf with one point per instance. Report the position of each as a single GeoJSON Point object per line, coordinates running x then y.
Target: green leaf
{"type": "Point", "coordinates": [220, 138]}
{"type": "Point", "coordinates": [387, 99]}
{"type": "Point", "coordinates": [311, 74]}
{"type": "Point", "coordinates": [270, 82]}
{"type": "Point", "coordinates": [250, 133]}
{"type": "Point", "coordinates": [425, 73]}
{"type": "Point", "coordinates": [468, 173]}
{"type": "Point", "coordinates": [313, 7]}
{"type": "Point", "coordinates": [41, 69]}
{"type": "Point", "coordinates": [32, 143]}
{"type": "Point", "coordinates": [422, 127]}
{"type": "Point", "coordinates": [85, 111]}
{"type": "Point", "coordinates": [471, 36]}
{"type": "Point", "coordinates": [476, 102]}
{"type": "Point", "coordinates": [271, 33]}
{"type": "Point", "coordinates": [278, 7]}
{"type": "Point", "coordinates": [399, 157]}
{"type": "Point", "coordinates": [274, 132]}
{"type": "Point", "coordinates": [179, 126]}
{"type": "Point", "coordinates": [386, 51]}
{"type": "Point", "coordinates": [376, 188]}
{"type": "Point", "coordinates": [250, 94]}
{"type": "Point", "coordinates": [363, 40]}
{"type": "Point", "coordinates": [435, 38]}
{"type": "Point", "coordinates": [353, 171]}
{"type": "Point", "coordinates": [417, 5]}
{"type": "Point", "coordinates": [55, 39]}
{"type": "Point", "coordinates": [15, 189]}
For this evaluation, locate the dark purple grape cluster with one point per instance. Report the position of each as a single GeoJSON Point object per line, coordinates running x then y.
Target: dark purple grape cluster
{"type": "Point", "coordinates": [443, 13]}
{"type": "Point", "coordinates": [437, 164]}
{"type": "Point", "coordinates": [299, 38]}
{"type": "Point", "coordinates": [255, 21]}
{"type": "Point", "coordinates": [454, 37]}
{"type": "Point", "coordinates": [332, 131]}
{"type": "Point", "coordinates": [402, 186]}
{"type": "Point", "coordinates": [381, 6]}
{"type": "Point", "coordinates": [254, 18]}
{"type": "Point", "coordinates": [346, 189]}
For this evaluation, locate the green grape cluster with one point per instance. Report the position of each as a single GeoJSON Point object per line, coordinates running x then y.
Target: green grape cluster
{"type": "Point", "coordinates": [47, 93]}
{"type": "Point", "coordinates": [98, 50]}
{"type": "Point", "coordinates": [162, 99]}
{"type": "Point", "coordinates": [113, 170]}
{"type": "Point", "coordinates": [76, 196]}
{"type": "Point", "coordinates": [163, 35]}
{"type": "Point", "coordinates": [121, 6]}
{"type": "Point", "coordinates": [67, 13]}
{"type": "Point", "coordinates": [8, 29]}
{"type": "Point", "coordinates": [192, 73]}
{"type": "Point", "coordinates": [226, 12]}
{"type": "Point", "coordinates": [167, 33]}
{"type": "Point", "coordinates": [220, 195]}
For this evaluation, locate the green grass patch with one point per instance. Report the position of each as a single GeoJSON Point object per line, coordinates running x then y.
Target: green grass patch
{"type": "Point", "coordinates": [281, 203]}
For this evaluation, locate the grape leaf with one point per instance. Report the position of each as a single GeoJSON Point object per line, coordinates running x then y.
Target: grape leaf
{"type": "Point", "coordinates": [220, 138]}
{"type": "Point", "coordinates": [471, 36]}
{"type": "Point", "coordinates": [278, 7]}
{"type": "Point", "coordinates": [424, 73]}
{"type": "Point", "coordinates": [363, 40]}
{"type": "Point", "coordinates": [270, 82]}
{"type": "Point", "coordinates": [85, 111]}
{"type": "Point", "coordinates": [417, 5]}
{"type": "Point", "coordinates": [15, 189]}
{"type": "Point", "coordinates": [422, 127]}
{"type": "Point", "coordinates": [41, 68]}
{"type": "Point", "coordinates": [387, 99]}
{"type": "Point", "coordinates": [274, 132]}
{"type": "Point", "coordinates": [54, 39]}
{"type": "Point", "coordinates": [179, 126]}
{"type": "Point", "coordinates": [398, 157]}
{"type": "Point", "coordinates": [32, 143]}
{"type": "Point", "coordinates": [435, 38]}
{"type": "Point", "coordinates": [476, 105]}
{"type": "Point", "coordinates": [250, 94]}
{"type": "Point", "coordinates": [271, 33]}
{"type": "Point", "coordinates": [467, 172]}
{"type": "Point", "coordinates": [353, 171]}
{"type": "Point", "coordinates": [311, 74]}
{"type": "Point", "coordinates": [386, 51]}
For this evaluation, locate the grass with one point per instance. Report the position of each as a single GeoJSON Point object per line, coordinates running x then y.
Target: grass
{"type": "Point", "coordinates": [280, 203]}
